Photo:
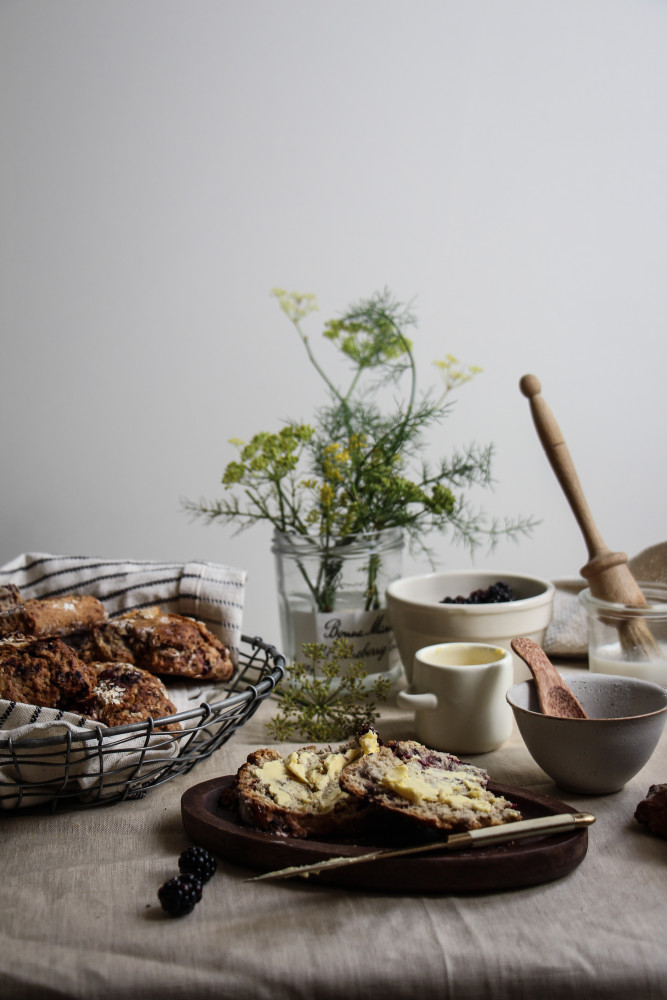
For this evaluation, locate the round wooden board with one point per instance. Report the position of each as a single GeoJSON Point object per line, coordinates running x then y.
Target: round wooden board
{"type": "Point", "coordinates": [504, 866]}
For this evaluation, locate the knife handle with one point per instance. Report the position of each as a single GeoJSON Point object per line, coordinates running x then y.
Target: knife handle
{"type": "Point", "coordinates": [557, 823]}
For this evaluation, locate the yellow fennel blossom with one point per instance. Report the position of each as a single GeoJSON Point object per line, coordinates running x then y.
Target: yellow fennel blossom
{"type": "Point", "coordinates": [334, 460]}
{"type": "Point", "coordinates": [453, 374]}
{"type": "Point", "coordinates": [357, 442]}
{"type": "Point", "coordinates": [268, 457]}
{"type": "Point", "coordinates": [295, 305]}
{"type": "Point", "coordinates": [327, 497]}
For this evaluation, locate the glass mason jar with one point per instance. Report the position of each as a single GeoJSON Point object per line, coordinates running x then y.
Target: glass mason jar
{"type": "Point", "coordinates": [628, 641]}
{"type": "Point", "coordinates": [326, 593]}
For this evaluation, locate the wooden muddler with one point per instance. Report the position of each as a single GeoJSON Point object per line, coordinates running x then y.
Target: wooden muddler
{"type": "Point", "coordinates": [608, 574]}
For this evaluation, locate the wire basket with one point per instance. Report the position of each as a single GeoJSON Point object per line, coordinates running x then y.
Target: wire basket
{"type": "Point", "coordinates": [107, 765]}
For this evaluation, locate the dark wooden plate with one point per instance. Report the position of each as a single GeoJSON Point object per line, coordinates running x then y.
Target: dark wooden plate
{"type": "Point", "coordinates": [482, 869]}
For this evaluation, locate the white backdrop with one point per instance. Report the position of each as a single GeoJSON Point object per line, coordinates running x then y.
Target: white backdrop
{"type": "Point", "coordinates": [165, 163]}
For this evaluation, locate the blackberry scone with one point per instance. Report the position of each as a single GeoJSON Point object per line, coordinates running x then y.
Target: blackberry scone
{"type": "Point", "coordinates": [69, 615]}
{"type": "Point", "coordinates": [299, 794]}
{"type": "Point", "coordinates": [122, 694]}
{"type": "Point", "coordinates": [45, 672]}
{"type": "Point", "coordinates": [161, 643]}
{"type": "Point", "coordinates": [429, 787]}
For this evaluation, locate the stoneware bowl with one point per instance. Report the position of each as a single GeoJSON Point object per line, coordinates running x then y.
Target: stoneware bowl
{"type": "Point", "coordinates": [597, 755]}
{"type": "Point", "coordinates": [419, 619]}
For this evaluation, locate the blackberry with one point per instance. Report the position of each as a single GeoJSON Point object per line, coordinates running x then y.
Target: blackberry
{"type": "Point", "coordinates": [497, 593]}
{"type": "Point", "coordinates": [198, 861]}
{"type": "Point", "coordinates": [180, 894]}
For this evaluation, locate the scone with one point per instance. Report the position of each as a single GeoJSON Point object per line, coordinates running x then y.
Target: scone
{"type": "Point", "coordinates": [45, 672]}
{"type": "Point", "coordinates": [429, 787]}
{"type": "Point", "coordinates": [122, 694]}
{"type": "Point", "coordinates": [63, 616]}
{"type": "Point", "coordinates": [651, 812]}
{"type": "Point", "coordinates": [10, 596]}
{"type": "Point", "coordinates": [160, 643]}
{"type": "Point", "coordinates": [300, 794]}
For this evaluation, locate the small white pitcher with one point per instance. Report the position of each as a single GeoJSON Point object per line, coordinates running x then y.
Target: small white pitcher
{"type": "Point", "coordinates": [458, 696]}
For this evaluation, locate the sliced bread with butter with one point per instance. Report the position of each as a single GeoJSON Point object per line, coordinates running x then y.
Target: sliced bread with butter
{"type": "Point", "coordinates": [299, 794]}
{"type": "Point", "coordinates": [432, 788]}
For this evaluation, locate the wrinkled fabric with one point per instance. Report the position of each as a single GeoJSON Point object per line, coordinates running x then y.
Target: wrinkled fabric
{"type": "Point", "coordinates": [79, 915]}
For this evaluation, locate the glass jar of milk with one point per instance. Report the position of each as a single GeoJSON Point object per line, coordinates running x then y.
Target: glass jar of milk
{"type": "Point", "coordinates": [613, 630]}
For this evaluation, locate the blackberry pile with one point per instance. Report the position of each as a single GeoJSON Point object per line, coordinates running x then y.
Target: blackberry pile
{"type": "Point", "coordinates": [180, 894]}
{"type": "Point", "coordinates": [497, 593]}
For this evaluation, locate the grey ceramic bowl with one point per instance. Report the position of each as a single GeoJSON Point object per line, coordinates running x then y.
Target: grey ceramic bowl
{"type": "Point", "coordinates": [598, 755]}
{"type": "Point", "coordinates": [419, 619]}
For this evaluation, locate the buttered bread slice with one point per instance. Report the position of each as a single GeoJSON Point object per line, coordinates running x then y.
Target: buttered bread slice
{"type": "Point", "coordinates": [299, 794]}
{"type": "Point", "coordinates": [428, 786]}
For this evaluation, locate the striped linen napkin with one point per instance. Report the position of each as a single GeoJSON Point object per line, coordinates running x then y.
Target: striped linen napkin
{"type": "Point", "coordinates": [210, 592]}
{"type": "Point", "coordinates": [98, 765]}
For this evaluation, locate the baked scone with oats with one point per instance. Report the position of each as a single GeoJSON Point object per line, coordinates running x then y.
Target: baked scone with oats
{"type": "Point", "coordinates": [43, 671]}
{"type": "Point", "coordinates": [10, 596]}
{"type": "Point", "coordinates": [122, 694]}
{"type": "Point", "coordinates": [161, 643]}
{"type": "Point", "coordinates": [429, 787]}
{"type": "Point", "coordinates": [68, 615]}
{"type": "Point", "coordinates": [299, 794]}
{"type": "Point", "coordinates": [652, 811]}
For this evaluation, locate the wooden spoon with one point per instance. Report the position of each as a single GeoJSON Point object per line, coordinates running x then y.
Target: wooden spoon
{"type": "Point", "coordinates": [553, 694]}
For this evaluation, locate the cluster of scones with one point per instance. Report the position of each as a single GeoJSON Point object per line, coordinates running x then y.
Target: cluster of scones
{"type": "Point", "coordinates": [67, 653]}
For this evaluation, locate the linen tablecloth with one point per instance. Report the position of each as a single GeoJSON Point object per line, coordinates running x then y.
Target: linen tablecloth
{"type": "Point", "coordinates": [79, 915]}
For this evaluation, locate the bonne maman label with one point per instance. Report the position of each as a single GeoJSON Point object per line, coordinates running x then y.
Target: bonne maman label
{"type": "Point", "coordinates": [368, 632]}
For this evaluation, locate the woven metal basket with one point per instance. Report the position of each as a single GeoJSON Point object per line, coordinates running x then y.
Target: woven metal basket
{"type": "Point", "coordinates": [156, 752]}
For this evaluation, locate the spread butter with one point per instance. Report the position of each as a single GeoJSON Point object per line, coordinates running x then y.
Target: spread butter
{"type": "Point", "coordinates": [305, 779]}
{"type": "Point", "coordinates": [457, 789]}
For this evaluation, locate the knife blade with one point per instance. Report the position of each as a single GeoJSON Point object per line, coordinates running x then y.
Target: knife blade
{"type": "Point", "coordinates": [556, 823]}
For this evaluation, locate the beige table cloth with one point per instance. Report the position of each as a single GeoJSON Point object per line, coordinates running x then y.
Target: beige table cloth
{"type": "Point", "coordinates": [79, 915]}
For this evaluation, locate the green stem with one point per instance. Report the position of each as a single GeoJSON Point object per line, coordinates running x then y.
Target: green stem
{"type": "Point", "coordinates": [372, 597]}
{"type": "Point", "coordinates": [345, 400]}
{"type": "Point", "coordinates": [314, 590]}
{"type": "Point", "coordinates": [314, 362]}
{"type": "Point", "coordinates": [409, 409]}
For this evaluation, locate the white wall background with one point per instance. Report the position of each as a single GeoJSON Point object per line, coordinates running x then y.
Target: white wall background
{"type": "Point", "coordinates": [165, 163]}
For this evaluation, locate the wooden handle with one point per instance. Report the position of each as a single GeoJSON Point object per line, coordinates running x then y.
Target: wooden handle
{"type": "Point", "coordinates": [553, 694]}
{"type": "Point", "coordinates": [557, 452]}
{"type": "Point", "coordinates": [607, 572]}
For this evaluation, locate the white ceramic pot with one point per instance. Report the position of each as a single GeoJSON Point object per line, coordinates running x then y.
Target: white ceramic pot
{"type": "Point", "coordinates": [419, 618]}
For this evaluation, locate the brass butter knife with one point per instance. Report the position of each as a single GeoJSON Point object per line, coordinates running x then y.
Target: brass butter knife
{"type": "Point", "coordinates": [558, 823]}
